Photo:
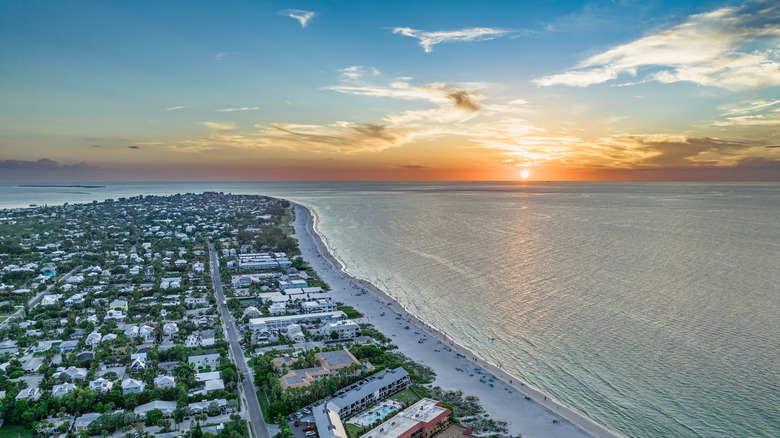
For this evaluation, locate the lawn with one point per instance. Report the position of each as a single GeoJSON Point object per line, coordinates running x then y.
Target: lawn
{"type": "Point", "coordinates": [15, 431]}
{"type": "Point", "coordinates": [406, 396]}
{"type": "Point", "coordinates": [352, 430]}
{"type": "Point", "coordinates": [2, 319]}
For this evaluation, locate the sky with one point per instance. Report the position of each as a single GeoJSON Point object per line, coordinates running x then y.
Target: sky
{"type": "Point", "coordinates": [389, 90]}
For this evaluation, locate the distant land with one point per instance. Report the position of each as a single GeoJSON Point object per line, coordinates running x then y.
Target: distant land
{"type": "Point", "coordinates": [72, 186]}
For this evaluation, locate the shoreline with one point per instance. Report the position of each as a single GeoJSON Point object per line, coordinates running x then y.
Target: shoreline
{"type": "Point", "coordinates": [526, 409]}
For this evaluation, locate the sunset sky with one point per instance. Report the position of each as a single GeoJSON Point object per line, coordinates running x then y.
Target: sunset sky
{"type": "Point", "coordinates": [364, 90]}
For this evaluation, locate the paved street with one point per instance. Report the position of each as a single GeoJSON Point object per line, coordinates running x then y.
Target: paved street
{"type": "Point", "coordinates": [232, 335]}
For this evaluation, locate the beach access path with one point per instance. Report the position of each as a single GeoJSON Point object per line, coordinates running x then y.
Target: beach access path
{"type": "Point", "coordinates": [526, 411]}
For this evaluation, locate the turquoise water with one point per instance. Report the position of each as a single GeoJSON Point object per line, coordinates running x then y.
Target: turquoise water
{"type": "Point", "coordinates": [377, 414]}
{"type": "Point", "coordinates": [652, 307]}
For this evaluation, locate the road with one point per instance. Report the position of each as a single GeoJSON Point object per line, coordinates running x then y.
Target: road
{"type": "Point", "coordinates": [39, 296]}
{"type": "Point", "coordinates": [250, 392]}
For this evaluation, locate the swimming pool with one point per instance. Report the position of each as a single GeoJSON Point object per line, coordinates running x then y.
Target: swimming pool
{"type": "Point", "coordinates": [377, 414]}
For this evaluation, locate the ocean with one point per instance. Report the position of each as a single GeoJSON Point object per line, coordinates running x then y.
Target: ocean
{"type": "Point", "coordinates": [652, 307]}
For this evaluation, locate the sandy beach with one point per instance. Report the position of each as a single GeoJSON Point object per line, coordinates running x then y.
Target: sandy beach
{"type": "Point", "coordinates": [526, 410]}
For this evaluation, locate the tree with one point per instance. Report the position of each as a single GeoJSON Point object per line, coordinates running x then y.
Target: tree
{"type": "Point", "coordinates": [278, 409]}
{"type": "Point", "coordinates": [153, 417]}
{"type": "Point", "coordinates": [334, 335]}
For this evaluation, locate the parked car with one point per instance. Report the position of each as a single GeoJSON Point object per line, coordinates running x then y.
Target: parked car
{"type": "Point", "coordinates": [311, 433]}
{"type": "Point", "coordinates": [308, 428]}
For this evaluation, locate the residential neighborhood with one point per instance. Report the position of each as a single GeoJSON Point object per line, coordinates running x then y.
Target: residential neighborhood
{"type": "Point", "coordinates": [181, 316]}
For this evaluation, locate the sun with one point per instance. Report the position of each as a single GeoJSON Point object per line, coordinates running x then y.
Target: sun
{"type": "Point", "coordinates": [524, 174]}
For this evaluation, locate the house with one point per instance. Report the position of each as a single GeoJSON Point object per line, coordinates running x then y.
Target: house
{"type": "Point", "coordinates": [118, 305]}
{"type": "Point", "coordinates": [170, 329]}
{"type": "Point", "coordinates": [146, 332]}
{"type": "Point", "coordinates": [101, 385]}
{"type": "Point", "coordinates": [93, 339]}
{"type": "Point", "coordinates": [165, 382]}
{"type": "Point", "coordinates": [62, 390]}
{"type": "Point", "coordinates": [75, 299]}
{"type": "Point", "coordinates": [200, 339]}
{"type": "Point", "coordinates": [137, 362]}
{"type": "Point", "coordinates": [49, 300]}
{"type": "Point", "coordinates": [116, 315]}
{"type": "Point", "coordinates": [10, 346]}
{"type": "Point", "coordinates": [277, 308]}
{"type": "Point", "coordinates": [31, 394]}
{"type": "Point", "coordinates": [82, 422]}
{"type": "Point", "coordinates": [252, 312]}
{"type": "Point", "coordinates": [204, 361]}
{"type": "Point", "coordinates": [170, 283]}
{"type": "Point", "coordinates": [295, 333]}
{"type": "Point", "coordinates": [31, 366]}
{"type": "Point", "coordinates": [198, 267]}
{"type": "Point", "coordinates": [73, 373]}
{"type": "Point", "coordinates": [132, 386]}
{"type": "Point", "coordinates": [166, 407]}
{"type": "Point", "coordinates": [195, 301]}
{"type": "Point", "coordinates": [200, 407]}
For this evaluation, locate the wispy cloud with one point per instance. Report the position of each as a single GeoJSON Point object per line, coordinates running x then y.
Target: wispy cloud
{"type": "Point", "coordinates": [222, 55]}
{"type": "Point", "coordinates": [732, 48]}
{"type": "Point", "coordinates": [174, 108]}
{"type": "Point", "coordinates": [245, 108]}
{"type": "Point", "coordinates": [753, 113]}
{"type": "Point", "coordinates": [430, 39]}
{"type": "Point", "coordinates": [302, 16]}
{"type": "Point", "coordinates": [356, 72]}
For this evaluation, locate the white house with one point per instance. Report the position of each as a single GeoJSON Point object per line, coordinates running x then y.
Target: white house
{"type": "Point", "coordinates": [277, 308]}
{"type": "Point", "coordinates": [165, 382]}
{"type": "Point", "coordinates": [170, 329]}
{"type": "Point", "coordinates": [93, 339]}
{"type": "Point", "coordinates": [48, 300]}
{"type": "Point", "coordinates": [62, 390]}
{"type": "Point", "coordinates": [252, 312]}
{"type": "Point", "coordinates": [204, 361]}
{"type": "Point", "coordinates": [295, 333]}
{"type": "Point", "coordinates": [101, 385]}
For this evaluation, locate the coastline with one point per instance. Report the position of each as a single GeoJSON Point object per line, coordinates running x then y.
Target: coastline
{"type": "Point", "coordinates": [526, 409]}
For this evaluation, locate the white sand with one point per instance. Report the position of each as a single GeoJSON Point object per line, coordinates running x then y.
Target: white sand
{"type": "Point", "coordinates": [504, 402]}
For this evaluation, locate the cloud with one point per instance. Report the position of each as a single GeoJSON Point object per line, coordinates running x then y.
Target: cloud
{"type": "Point", "coordinates": [43, 164]}
{"type": "Point", "coordinates": [174, 108]}
{"type": "Point", "coordinates": [220, 126]}
{"type": "Point", "coordinates": [245, 108]}
{"type": "Point", "coordinates": [303, 17]}
{"type": "Point", "coordinates": [341, 137]}
{"type": "Point", "coordinates": [222, 55]}
{"type": "Point", "coordinates": [414, 166]}
{"type": "Point", "coordinates": [430, 39]}
{"type": "Point", "coordinates": [753, 113]}
{"type": "Point", "coordinates": [732, 48]}
{"type": "Point", "coordinates": [455, 102]}
{"type": "Point", "coordinates": [357, 72]}
{"type": "Point", "coordinates": [133, 147]}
